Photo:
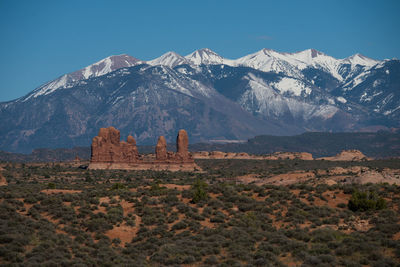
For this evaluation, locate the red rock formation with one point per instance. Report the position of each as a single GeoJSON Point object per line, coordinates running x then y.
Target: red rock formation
{"type": "Point", "coordinates": [161, 149]}
{"type": "Point", "coordinates": [109, 153]}
{"type": "Point", "coordinates": [131, 140]}
{"type": "Point", "coordinates": [106, 147]}
{"type": "Point", "coordinates": [182, 143]}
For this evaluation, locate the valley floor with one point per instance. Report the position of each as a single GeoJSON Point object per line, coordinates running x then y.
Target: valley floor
{"type": "Point", "coordinates": [234, 213]}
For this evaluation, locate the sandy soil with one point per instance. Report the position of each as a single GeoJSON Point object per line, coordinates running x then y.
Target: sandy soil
{"type": "Point", "coordinates": [175, 186]}
{"type": "Point", "coordinates": [124, 232]}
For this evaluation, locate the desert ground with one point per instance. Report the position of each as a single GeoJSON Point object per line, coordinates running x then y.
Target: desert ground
{"type": "Point", "coordinates": [234, 212]}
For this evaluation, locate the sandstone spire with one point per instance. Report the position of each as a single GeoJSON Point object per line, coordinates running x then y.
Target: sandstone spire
{"type": "Point", "coordinates": [109, 152]}
{"type": "Point", "coordinates": [182, 143]}
{"type": "Point", "coordinates": [161, 148]}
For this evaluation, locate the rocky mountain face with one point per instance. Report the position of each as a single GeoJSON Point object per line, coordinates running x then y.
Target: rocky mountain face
{"type": "Point", "coordinates": [212, 97]}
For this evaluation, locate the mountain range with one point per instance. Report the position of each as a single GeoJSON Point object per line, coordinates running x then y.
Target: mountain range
{"type": "Point", "coordinates": [213, 98]}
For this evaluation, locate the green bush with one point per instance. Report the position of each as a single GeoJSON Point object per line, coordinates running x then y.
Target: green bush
{"type": "Point", "coordinates": [118, 186]}
{"type": "Point", "coordinates": [199, 191]}
{"type": "Point", "coordinates": [363, 201]}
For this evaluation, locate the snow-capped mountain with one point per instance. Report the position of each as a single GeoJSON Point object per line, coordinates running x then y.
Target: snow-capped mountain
{"type": "Point", "coordinates": [292, 64]}
{"type": "Point", "coordinates": [267, 92]}
{"type": "Point", "coordinates": [376, 89]}
{"type": "Point", "coordinates": [207, 57]}
{"type": "Point", "coordinates": [359, 59]}
{"type": "Point", "coordinates": [99, 68]}
{"type": "Point", "coordinates": [170, 59]}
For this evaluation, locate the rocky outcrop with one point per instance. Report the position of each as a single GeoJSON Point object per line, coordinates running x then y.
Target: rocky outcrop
{"type": "Point", "coordinates": [347, 155]}
{"type": "Point", "coordinates": [108, 152]}
{"type": "Point", "coordinates": [290, 155]}
{"type": "Point", "coordinates": [182, 143]}
{"type": "Point", "coordinates": [161, 149]}
{"type": "Point", "coordinates": [358, 175]}
{"type": "Point", "coordinates": [217, 155]}
{"type": "Point", "coordinates": [242, 155]}
{"type": "Point", "coordinates": [107, 148]}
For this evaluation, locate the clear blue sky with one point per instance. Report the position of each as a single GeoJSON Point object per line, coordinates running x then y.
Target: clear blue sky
{"type": "Point", "coordinates": [41, 40]}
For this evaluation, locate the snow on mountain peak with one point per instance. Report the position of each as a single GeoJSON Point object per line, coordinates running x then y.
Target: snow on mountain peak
{"type": "Point", "coordinates": [362, 60]}
{"type": "Point", "coordinates": [106, 65]}
{"type": "Point", "coordinates": [268, 60]}
{"type": "Point", "coordinates": [311, 57]}
{"type": "Point", "coordinates": [271, 61]}
{"type": "Point", "coordinates": [170, 59]}
{"type": "Point", "coordinates": [205, 56]}
{"type": "Point", "coordinates": [99, 68]}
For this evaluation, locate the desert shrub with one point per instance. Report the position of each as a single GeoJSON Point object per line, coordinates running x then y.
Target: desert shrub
{"type": "Point", "coordinates": [118, 186]}
{"type": "Point", "coordinates": [215, 203]}
{"type": "Point", "coordinates": [199, 191]}
{"type": "Point", "coordinates": [31, 199]}
{"type": "Point", "coordinates": [332, 220]}
{"type": "Point", "coordinates": [179, 225]}
{"type": "Point", "coordinates": [172, 217]}
{"type": "Point", "coordinates": [211, 260]}
{"type": "Point", "coordinates": [116, 241]}
{"type": "Point", "coordinates": [115, 214]}
{"type": "Point", "coordinates": [363, 201]}
{"type": "Point", "coordinates": [98, 224]}
{"type": "Point", "coordinates": [325, 235]}
{"type": "Point", "coordinates": [218, 218]}
{"type": "Point", "coordinates": [182, 208]}
{"type": "Point", "coordinates": [170, 199]}
{"type": "Point", "coordinates": [386, 223]}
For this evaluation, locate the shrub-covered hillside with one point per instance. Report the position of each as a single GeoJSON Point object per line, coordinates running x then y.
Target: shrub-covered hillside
{"type": "Point", "coordinates": [54, 214]}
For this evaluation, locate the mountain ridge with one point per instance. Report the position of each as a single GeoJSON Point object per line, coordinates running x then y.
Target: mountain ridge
{"type": "Point", "coordinates": [211, 97]}
{"type": "Point", "coordinates": [172, 59]}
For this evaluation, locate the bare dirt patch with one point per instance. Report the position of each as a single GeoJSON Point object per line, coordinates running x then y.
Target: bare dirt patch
{"type": "Point", "coordinates": [127, 207]}
{"type": "Point", "coordinates": [396, 236]}
{"type": "Point", "coordinates": [177, 187]}
{"type": "Point", "coordinates": [288, 178]}
{"type": "Point", "coordinates": [124, 232]}
{"type": "Point", "coordinates": [248, 178]}
{"type": "Point", "coordinates": [207, 223]}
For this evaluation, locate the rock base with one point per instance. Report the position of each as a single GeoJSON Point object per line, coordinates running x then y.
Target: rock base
{"type": "Point", "coordinates": [109, 153]}
{"type": "Point", "coordinates": [154, 166]}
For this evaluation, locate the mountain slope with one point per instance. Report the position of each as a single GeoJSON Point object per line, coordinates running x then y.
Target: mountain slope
{"type": "Point", "coordinates": [100, 68]}
{"type": "Point", "coordinates": [170, 59]}
{"type": "Point", "coordinates": [212, 97]}
{"type": "Point", "coordinates": [378, 90]}
{"type": "Point", "coordinates": [143, 101]}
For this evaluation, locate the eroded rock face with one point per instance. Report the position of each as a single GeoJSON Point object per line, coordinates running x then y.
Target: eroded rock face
{"type": "Point", "coordinates": [347, 155]}
{"type": "Point", "coordinates": [109, 152]}
{"type": "Point", "coordinates": [131, 140]}
{"type": "Point", "coordinates": [161, 148]}
{"type": "Point", "coordinates": [182, 143]}
{"type": "Point", "coordinates": [110, 135]}
{"type": "Point", "coordinates": [107, 148]}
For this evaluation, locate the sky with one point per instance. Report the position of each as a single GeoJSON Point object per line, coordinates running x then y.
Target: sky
{"type": "Point", "coordinates": [42, 40]}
